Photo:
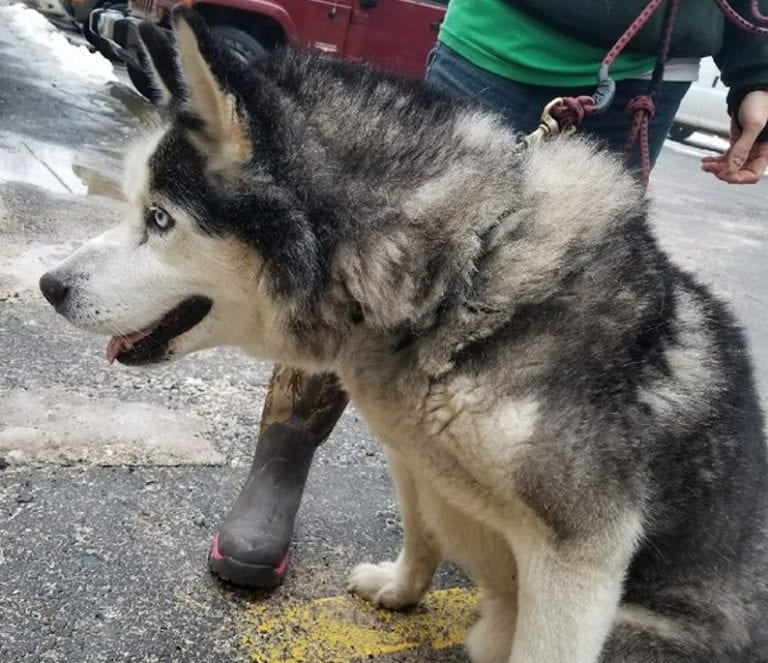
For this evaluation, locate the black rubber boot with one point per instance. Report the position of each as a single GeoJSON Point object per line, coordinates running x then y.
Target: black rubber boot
{"type": "Point", "coordinates": [251, 547]}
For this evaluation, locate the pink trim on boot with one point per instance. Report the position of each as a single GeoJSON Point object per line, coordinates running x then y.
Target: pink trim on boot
{"type": "Point", "coordinates": [217, 556]}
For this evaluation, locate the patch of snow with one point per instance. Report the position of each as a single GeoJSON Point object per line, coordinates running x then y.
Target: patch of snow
{"type": "Point", "coordinates": [21, 267]}
{"type": "Point", "coordinates": [32, 27]}
{"type": "Point", "coordinates": [699, 145]}
{"type": "Point", "coordinates": [709, 141]}
{"type": "Point", "coordinates": [60, 428]}
{"type": "Point", "coordinates": [23, 159]}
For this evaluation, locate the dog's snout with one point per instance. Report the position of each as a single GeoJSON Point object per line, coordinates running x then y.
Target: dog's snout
{"type": "Point", "coordinates": [53, 289]}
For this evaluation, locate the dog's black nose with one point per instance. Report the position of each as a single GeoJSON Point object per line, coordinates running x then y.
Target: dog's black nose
{"type": "Point", "coordinates": [53, 290]}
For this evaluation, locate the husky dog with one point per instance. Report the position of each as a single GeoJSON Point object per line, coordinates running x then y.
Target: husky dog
{"type": "Point", "coordinates": [566, 415]}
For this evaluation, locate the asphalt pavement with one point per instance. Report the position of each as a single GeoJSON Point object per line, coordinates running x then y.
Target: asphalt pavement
{"type": "Point", "coordinates": [112, 479]}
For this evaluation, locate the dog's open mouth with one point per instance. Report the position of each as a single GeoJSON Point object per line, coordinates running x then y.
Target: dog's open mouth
{"type": "Point", "coordinates": [151, 343]}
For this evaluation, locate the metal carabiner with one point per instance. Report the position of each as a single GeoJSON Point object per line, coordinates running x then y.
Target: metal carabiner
{"type": "Point", "coordinates": [548, 125]}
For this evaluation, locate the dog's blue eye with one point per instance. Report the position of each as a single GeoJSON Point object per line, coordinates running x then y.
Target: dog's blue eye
{"type": "Point", "coordinates": [159, 218]}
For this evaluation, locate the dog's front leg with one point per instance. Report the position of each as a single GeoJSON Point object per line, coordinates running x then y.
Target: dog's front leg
{"type": "Point", "coordinates": [569, 593]}
{"type": "Point", "coordinates": [403, 582]}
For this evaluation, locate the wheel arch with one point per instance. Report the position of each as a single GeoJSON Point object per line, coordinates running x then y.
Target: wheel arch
{"type": "Point", "coordinates": [265, 21]}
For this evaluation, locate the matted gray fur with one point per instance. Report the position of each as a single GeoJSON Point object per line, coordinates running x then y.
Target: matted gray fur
{"type": "Point", "coordinates": [566, 414]}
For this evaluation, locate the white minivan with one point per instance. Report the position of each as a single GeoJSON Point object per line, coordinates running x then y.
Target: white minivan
{"type": "Point", "coordinates": [703, 107]}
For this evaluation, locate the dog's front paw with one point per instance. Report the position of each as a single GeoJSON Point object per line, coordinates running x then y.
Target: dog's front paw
{"type": "Point", "coordinates": [382, 585]}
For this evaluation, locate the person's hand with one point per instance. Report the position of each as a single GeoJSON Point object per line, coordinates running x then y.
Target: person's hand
{"type": "Point", "coordinates": [746, 160]}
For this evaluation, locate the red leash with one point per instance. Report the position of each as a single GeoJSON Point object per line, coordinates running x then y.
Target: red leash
{"type": "Point", "coordinates": [563, 114]}
{"type": "Point", "coordinates": [760, 25]}
{"type": "Point", "coordinates": [643, 107]}
{"type": "Point", "coordinates": [640, 109]}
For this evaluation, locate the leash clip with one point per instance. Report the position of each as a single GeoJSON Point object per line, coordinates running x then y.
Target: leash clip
{"type": "Point", "coordinates": [548, 125]}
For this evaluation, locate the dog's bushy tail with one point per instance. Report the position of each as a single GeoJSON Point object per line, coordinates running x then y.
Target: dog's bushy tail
{"type": "Point", "coordinates": [640, 635]}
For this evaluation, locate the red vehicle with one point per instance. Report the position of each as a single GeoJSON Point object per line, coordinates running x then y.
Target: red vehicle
{"type": "Point", "coordinates": [393, 34]}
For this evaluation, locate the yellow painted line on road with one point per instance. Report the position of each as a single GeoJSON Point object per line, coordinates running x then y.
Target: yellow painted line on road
{"type": "Point", "coordinates": [343, 629]}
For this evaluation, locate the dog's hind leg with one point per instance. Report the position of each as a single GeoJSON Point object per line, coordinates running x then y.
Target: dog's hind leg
{"type": "Point", "coordinates": [403, 582]}
{"type": "Point", "coordinates": [569, 590]}
{"type": "Point", "coordinates": [490, 640]}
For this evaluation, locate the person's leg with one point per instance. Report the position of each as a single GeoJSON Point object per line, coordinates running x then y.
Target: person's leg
{"type": "Point", "coordinates": [518, 103]}
{"type": "Point", "coordinates": [251, 546]}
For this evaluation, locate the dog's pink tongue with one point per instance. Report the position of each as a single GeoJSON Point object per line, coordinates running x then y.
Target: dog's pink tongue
{"type": "Point", "coordinates": [119, 344]}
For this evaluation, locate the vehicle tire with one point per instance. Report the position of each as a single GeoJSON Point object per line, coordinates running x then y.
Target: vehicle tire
{"type": "Point", "coordinates": [680, 132]}
{"type": "Point", "coordinates": [142, 83]}
{"type": "Point", "coordinates": [243, 45]}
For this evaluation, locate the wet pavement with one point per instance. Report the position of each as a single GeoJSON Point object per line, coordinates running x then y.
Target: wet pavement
{"type": "Point", "coordinates": [113, 479]}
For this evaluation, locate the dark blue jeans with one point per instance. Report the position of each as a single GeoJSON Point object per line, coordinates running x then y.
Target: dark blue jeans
{"type": "Point", "coordinates": [521, 104]}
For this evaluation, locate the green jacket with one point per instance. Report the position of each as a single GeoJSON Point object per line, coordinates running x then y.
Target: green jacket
{"type": "Point", "coordinates": [700, 30]}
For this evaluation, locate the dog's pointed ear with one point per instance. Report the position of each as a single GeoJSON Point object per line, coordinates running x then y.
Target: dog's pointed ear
{"type": "Point", "coordinates": [221, 128]}
{"type": "Point", "coordinates": [159, 56]}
